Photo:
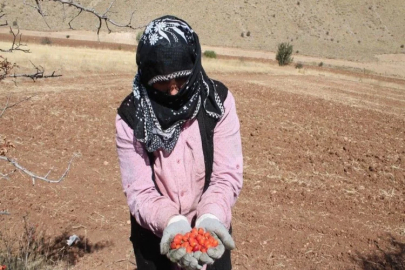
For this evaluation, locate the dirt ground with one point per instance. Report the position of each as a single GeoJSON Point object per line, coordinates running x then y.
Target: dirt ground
{"type": "Point", "coordinates": [324, 172]}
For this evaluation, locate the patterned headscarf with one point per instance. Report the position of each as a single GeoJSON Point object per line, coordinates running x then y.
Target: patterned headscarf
{"type": "Point", "coordinates": [169, 49]}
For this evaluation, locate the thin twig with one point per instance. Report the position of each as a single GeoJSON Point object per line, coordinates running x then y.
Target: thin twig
{"type": "Point", "coordinates": [1, 16]}
{"type": "Point", "coordinates": [39, 9]}
{"type": "Point", "coordinates": [122, 260]}
{"type": "Point", "coordinates": [12, 105]}
{"type": "Point", "coordinates": [100, 17]}
{"type": "Point", "coordinates": [5, 107]}
{"type": "Point", "coordinates": [16, 46]}
{"type": "Point", "coordinates": [70, 26]}
{"type": "Point", "coordinates": [34, 176]}
{"type": "Point", "coordinates": [39, 74]}
{"type": "Point", "coordinates": [6, 176]}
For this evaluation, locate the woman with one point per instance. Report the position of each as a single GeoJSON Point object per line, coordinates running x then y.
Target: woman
{"type": "Point", "coordinates": [179, 149]}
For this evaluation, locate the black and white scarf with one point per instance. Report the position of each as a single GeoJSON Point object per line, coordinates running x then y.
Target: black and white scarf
{"type": "Point", "coordinates": [169, 49]}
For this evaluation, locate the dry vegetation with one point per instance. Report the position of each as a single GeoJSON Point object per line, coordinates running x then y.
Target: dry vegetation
{"type": "Point", "coordinates": [68, 60]}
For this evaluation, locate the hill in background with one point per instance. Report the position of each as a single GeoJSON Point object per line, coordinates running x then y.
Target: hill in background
{"type": "Point", "coordinates": [345, 29]}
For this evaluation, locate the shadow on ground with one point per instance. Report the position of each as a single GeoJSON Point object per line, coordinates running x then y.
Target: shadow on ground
{"type": "Point", "coordinates": [58, 250]}
{"type": "Point", "coordinates": [32, 249]}
{"type": "Point", "coordinates": [388, 255]}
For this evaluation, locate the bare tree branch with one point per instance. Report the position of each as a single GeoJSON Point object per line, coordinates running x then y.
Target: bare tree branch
{"type": "Point", "coordinates": [14, 104]}
{"type": "Point", "coordinates": [101, 17]}
{"type": "Point", "coordinates": [70, 26]}
{"type": "Point", "coordinates": [1, 16]}
{"type": "Point", "coordinates": [36, 177]}
{"type": "Point", "coordinates": [39, 74]}
{"type": "Point", "coordinates": [39, 9]}
{"type": "Point", "coordinates": [6, 67]}
{"type": "Point", "coordinates": [14, 46]}
{"type": "Point", "coordinates": [5, 107]}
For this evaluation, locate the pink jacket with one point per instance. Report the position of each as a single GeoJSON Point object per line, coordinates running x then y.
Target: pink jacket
{"type": "Point", "coordinates": [180, 174]}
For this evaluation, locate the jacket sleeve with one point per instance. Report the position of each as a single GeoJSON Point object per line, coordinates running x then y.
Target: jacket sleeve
{"type": "Point", "coordinates": [150, 209]}
{"type": "Point", "coordinates": [227, 172]}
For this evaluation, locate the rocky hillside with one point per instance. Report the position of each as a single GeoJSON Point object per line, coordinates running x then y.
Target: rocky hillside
{"type": "Point", "coordinates": [355, 30]}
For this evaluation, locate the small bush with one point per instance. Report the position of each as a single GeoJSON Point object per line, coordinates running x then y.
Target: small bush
{"type": "Point", "coordinates": [26, 251]}
{"type": "Point", "coordinates": [33, 249]}
{"type": "Point", "coordinates": [299, 65]}
{"type": "Point", "coordinates": [320, 64]}
{"type": "Point", "coordinates": [284, 53]}
{"type": "Point", "coordinates": [46, 41]}
{"type": "Point", "coordinates": [248, 33]}
{"type": "Point", "coordinates": [15, 23]}
{"type": "Point", "coordinates": [210, 54]}
{"type": "Point", "coordinates": [139, 36]}
{"type": "Point", "coordinates": [402, 46]}
{"type": "Point", "coordinates": [67, 36]}
{"type": "Point", "coordinates": [242, 34]}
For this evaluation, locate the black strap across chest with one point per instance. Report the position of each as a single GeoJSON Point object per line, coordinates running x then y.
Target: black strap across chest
{"type": "Point", "coordinates": [206, 124]}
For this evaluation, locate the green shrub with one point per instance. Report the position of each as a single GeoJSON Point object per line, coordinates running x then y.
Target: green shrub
{"type": "Point", "coordinates": [284, 53]}
{"type": "Point", "coordinates": [210, 54]}
{"type": "Point", "coordinates": [67, 36]}
{"type": "Point", "coordinates": [46, 41]}
{"type": "Point", "coordinates": [320, 64]}
{"type": "Point", "coordinates": [15, 23]}
{"type": "Point", "coordinates": [139, 36]}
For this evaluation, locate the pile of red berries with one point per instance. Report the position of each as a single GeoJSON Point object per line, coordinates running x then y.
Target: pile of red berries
{"type": "Point", "coordinates": [195, 240]}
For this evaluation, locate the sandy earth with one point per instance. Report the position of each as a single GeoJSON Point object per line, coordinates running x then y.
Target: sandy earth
{"type": "Point", "coordinates": [324, 172]}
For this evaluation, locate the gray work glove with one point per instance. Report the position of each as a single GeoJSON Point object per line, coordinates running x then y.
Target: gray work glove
{"type": "Point", "coordinates": [177, 225]}
{"type": "Point", "coordinates": [211, 224]}
{"type": "Point", "coordinates": [216, 252]}
{"type": "Point", "coordinates": [188, 262]}
{"type": "Point", "coordinates": [203, 258]}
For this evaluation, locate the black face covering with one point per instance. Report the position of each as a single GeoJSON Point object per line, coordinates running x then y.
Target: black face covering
{"type": "Point", "coordinates": [169, 49]}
